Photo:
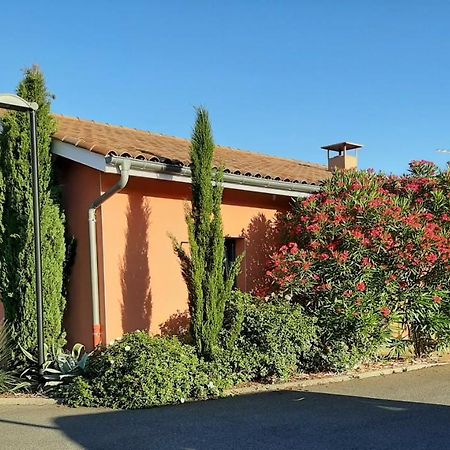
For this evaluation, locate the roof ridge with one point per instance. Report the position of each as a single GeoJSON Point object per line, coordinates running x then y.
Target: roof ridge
{"type": "Point", "coordinates": [186, 140]}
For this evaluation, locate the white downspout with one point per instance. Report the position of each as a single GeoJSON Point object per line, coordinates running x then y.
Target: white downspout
{"type": "Point", "coordinates": [124, 167]}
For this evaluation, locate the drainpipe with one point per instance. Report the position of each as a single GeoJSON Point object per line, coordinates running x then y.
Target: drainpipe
{"type": "Point", "coordinates": [124, 168]}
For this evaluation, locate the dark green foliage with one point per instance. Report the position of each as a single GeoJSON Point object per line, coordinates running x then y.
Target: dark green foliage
{"type": "Point", "coordinates": [6, 378]}
{"type": "Point", "coordinates": [77, 393]}
{"type": "Point", "coordinates": [273, 339]}
{"type": "Point", "coordinates": [141, 371]}
{"type": "Point", "coordinates": [203, 268]}
{"type": "Point", "coordinates": [17, 275]}
{"type": "Point", "coordinates": [9, 381]}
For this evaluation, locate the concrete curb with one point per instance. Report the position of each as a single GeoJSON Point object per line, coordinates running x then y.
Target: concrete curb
{"type": "Point", "coordinates": [301, 384]}
{"type": "Point", "coordinates": [27, 401]}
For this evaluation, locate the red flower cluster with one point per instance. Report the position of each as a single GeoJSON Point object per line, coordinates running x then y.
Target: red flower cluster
{"type": "Point", "coordinates": [372, 242]}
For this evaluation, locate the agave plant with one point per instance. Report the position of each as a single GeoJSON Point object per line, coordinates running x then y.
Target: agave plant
{"type": "Point", "coordinates": [59, 366]}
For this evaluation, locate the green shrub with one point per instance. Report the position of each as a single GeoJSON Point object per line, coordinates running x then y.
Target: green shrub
{"type": "Point", "coordinates": [77, 393]}
{"type": "Point", "coordinates": [141, 371]}
{"type": "Point", "coordinates": [266, 340]}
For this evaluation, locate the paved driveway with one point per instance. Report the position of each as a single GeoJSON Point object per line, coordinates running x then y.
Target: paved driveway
{"type": "Point", "coordinates": [410, 410]}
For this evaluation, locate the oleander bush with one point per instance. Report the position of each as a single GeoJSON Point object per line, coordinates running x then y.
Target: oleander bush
{"type": "Point", "coordinates": [368, 257]}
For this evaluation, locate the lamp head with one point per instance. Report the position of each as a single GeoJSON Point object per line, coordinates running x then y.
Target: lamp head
{"type": "Point", "coordinates": [16, 103]}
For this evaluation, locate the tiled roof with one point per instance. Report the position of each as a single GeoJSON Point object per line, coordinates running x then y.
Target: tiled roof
{"type": "Point", "coordinates": [120, 141]}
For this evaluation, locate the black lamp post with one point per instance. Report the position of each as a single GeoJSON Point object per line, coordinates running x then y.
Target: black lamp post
{"type": "Point", "coordinates": [16, 103]}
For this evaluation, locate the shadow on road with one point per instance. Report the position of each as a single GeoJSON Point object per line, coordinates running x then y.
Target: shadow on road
{"type": "Point", "coordinates": [267, 421]}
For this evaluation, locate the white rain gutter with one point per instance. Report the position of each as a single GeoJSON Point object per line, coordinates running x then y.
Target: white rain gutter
{"type": "Point", "coordinates": [230, 180]}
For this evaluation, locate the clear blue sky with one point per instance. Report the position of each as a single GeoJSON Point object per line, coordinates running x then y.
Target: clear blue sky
{"type": "Point", "coordinates": [279, 77]}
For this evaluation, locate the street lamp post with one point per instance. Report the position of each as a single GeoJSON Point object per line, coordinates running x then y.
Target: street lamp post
{"type": "Point", "coordinates": [16, 103]}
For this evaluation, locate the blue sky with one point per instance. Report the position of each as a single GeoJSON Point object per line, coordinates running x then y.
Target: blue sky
{"type": "Point", "coordinates": [279, 77]}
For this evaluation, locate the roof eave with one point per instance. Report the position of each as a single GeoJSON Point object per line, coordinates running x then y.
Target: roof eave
{"type": "Point", "coordinates": [162, 171]}
{"type": "Point", "coordinates": [231, 181]}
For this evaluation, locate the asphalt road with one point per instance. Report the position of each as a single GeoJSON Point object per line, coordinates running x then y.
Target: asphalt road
{"type": "Point", "coordinates": [409, 410]}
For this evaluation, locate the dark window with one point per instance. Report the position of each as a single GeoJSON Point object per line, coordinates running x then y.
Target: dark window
{"type": "Point", "coordinates": [230, 255]}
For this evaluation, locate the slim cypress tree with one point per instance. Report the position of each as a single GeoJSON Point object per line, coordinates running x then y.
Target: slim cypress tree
{"type": "Point", "coordinates": [203, 269]}
{"type": "Point", "coordinates": [17, 274]}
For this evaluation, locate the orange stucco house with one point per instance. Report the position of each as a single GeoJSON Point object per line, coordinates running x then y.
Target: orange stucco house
{"type": "Point", "coordinates": [145, 179]}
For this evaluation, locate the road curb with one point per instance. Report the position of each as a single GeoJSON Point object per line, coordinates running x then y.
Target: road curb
{"type": "Point", "coordinates": [301, 384]}
{"type": "Point", "coordinates": [27, 401]}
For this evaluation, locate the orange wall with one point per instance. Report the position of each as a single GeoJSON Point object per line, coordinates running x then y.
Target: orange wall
{"type": "Point", "coordinates": [140, 278]}
{"type": "Point", "coordinates": [81, 185]}
{"type": "Point", "coordinates": [143, 282]}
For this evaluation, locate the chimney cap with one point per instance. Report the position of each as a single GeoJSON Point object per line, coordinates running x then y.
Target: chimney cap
{"type": "Point", "coordinates": [342, 146]}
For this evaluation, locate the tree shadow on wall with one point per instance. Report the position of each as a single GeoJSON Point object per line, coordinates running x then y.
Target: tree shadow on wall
{"type": "Point", "coordinates": [178, 324]}
{"type": "Point", "coordinates": [262, 239]}
{"type": "Point", "coordinates": [135, 273]}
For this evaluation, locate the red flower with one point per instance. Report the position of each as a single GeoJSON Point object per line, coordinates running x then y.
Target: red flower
{"type": "Point", "coordinates": [414, 187]}
{"type": "Point", "coordinates": [375, 233]}
{"type": "Point", "coordinates": [333, 245]}
{"type": "Point", "coordinates": [357, 234]}
{"type": "Point", "coordinates": [361, 286]}
{"type": "Point", "coordinates": [343, 257]}
{"type": "Point", "coordinates": [431, 258]}
{"type": "Point", "coordinates": [386, 312]}
{"type": "Point", "coordinates": [437, 299]}
{"type": "Point", "coordinates": [313, 228]}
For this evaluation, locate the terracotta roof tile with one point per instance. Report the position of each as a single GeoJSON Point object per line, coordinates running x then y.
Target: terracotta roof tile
{"type": "Point", "coordinates": [120, 141]}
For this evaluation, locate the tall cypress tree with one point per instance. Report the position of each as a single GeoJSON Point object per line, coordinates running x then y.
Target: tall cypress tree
{"type": "Point", "coordinates": [17, 268]}
{"type": "Point", "coordinates": [203, 268]}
